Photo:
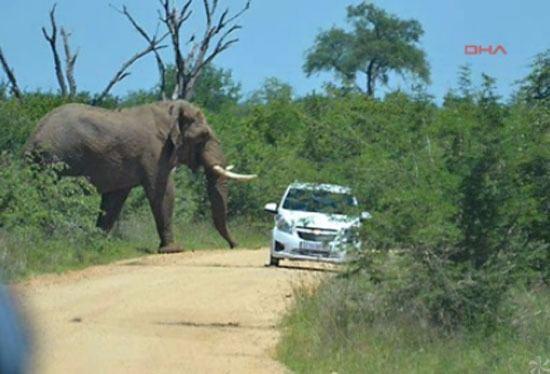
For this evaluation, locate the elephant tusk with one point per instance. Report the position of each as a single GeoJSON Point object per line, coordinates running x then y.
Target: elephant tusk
{"type": "Point", "coordinates": [230, 167]}
{"type": "Point", "coordinates": [228, 174]}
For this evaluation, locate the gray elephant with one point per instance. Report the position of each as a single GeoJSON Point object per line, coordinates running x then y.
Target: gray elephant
{"type": "Point", "coordinates": [118, 150]}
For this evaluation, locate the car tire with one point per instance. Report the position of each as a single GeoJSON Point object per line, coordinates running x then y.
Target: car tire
{"type": "Point", "coordinates": [274, 261]}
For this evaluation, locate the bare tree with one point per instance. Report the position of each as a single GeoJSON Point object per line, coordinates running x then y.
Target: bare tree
{"type": "Point", "coordinates": [70, 60]}
{"type": "Point", "coordinates": [150, 40]}
{"type": "Point", "coordinates": [52, 40]}
{"type": "Point", "coordinates": [122, 73]}
{"type": "Point", "coordinates": [217, 37]}
{"type": "Point", "coordinates": [14, 87]}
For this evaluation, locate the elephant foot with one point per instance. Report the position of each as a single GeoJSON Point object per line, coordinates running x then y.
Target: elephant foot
{"type": "Point", "coordinates": [170, 248]}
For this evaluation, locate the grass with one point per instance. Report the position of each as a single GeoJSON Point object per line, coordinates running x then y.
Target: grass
{"type": "Point", "coordinates": [140, 230]}
{"type": "Point", "coordinates": [325, 333]}
{"type": "Point", "coordinates": [26, 252]}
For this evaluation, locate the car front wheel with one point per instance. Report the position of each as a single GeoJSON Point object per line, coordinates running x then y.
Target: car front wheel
{"type": "Point", "coordinates": [273, 261]}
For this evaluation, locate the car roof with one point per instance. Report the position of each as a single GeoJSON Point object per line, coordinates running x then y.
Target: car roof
{"type": "Point", "coordinates": [320, 186]}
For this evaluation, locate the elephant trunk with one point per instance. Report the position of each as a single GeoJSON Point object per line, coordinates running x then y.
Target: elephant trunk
{"type": "Point", "coordinates": [217, 192]}
{"type": "Point", "coordinates": [217, 188]}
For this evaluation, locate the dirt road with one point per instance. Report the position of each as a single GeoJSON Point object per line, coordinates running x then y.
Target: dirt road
{"type": "Point", "coordinates": [200, 312]}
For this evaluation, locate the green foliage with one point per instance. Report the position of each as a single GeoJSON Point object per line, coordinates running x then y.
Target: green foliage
{"type": "Point", "coordinates": [272, 90]}
{"type": "Point", "coordinates": [18, 118]}
{"type": "Point", "coordinates": [379, 43]}
{"type": "Point", "coordinates": [40, 199]}
{"type": "Point", "coordinates": [350, 326]}
{"type": "Point", "coordinates": [458, 246]}
{"type": "Point", "coordinates": [37, 209]}
{"type": "Point", "coordinates": [466, 199]}
{"type": "Point", "coordinates": [536, 86]}
{"type": "Point", "coordinates": [3, 91]}
{"type": "Point", "coordinates": [216, 89]}
{"type": "Point", "coordinates": [213, 91]}
{"type": "Point", "coordinates": [139, 97]}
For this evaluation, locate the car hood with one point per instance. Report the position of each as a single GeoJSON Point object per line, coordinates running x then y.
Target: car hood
{"type": "Point", "coordinates": [319, 220]}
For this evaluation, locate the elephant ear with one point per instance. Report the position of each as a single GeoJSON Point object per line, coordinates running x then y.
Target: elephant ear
{"type": "Point", "coordinates": [189, 123]}
{"type": "Point", "coordinates": [188, 134]}
{"type": "Point", "coordinates": [193, 126]}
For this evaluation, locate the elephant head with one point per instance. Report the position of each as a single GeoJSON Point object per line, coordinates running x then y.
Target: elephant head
{"type": "Point", "coordinates": [196, 145]}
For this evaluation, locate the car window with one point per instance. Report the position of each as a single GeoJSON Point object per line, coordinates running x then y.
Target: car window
{"type": "Point", "coordinates": [321, 201]}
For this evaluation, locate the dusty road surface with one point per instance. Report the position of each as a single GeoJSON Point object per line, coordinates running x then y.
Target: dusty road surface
{"type": "Point", "coordinates": [197, 312]}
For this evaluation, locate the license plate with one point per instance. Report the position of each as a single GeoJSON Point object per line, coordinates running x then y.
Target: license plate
{"type": "Point", "coordinates": [313, 246]}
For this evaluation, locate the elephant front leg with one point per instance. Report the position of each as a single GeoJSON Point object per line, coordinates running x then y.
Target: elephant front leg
{"type": "Point", "coordinates": [161, 200]}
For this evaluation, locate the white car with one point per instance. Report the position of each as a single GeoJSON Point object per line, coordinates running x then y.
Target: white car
{"type": "Point", "coordinates": [318, 222]}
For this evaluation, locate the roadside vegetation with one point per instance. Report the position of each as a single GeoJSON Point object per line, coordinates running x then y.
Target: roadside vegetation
{"type": "Point", "coordinates": [343, 326]}
{"type": "Point", "coordinates": [454, 272]}
{"type": "Point", "coordinates": [456, 263]}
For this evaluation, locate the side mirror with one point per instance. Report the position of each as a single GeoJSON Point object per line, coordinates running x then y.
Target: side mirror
{"type": "Point", "coordinates": [271, 208]}
{"type": "Point", "coordinates": [365, 216]}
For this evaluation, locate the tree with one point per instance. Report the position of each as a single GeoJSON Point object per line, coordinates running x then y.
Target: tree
{"type": "Point", "coordinates": [536, 86]}
{"type": "Point", "coordinates": [216, 88]}
{"type": "Point", "coordinates": [70, 58]}
{"type": "Point", "coordinates": [14, 87]}
{"type": "Point", "coordinates": [272, 90]}
{"type": "Point", "coordinates": [67, 76]}
{"type": "Point", "coordinates": [465, 81]}
{"type": "Point", "coordinates": [379, 43]}
{"type": "Point", "coordinates": [217, 37]}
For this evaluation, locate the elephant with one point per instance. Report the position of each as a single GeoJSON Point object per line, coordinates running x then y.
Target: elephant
{"type": "Point", "coordinates": [117, 150]}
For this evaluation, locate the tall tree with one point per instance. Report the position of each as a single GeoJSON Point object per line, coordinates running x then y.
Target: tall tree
{"type": "Point", "coordinates": [536, 86]}
{"type": "Point", "coordinates": [14, 87]}
{"type": "Point", "coordinates": [192, 55]}
{"type": "Point", "coordinates": [70, 58]}
{"type": "Point", "coordinates": [377, 44]}
{"type": "Point", "coordinates": [216, 88]}
{"type": "Point", "coordinates": [272, 90]}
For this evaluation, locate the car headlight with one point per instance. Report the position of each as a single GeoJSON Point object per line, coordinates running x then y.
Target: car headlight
{"type": "Point", "coordinates": [284, 225]}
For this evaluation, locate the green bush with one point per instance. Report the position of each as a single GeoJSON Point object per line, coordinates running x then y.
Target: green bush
{"type": "Point", "coordinates": [38, 208]}
{"type": "Point", "coordinates": [352, 325]}
{"type": "Point", "coordinates": [30, 197]}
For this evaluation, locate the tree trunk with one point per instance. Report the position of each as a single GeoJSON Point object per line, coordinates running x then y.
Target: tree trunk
{"type": "Point", "coordinates": [371, 77]}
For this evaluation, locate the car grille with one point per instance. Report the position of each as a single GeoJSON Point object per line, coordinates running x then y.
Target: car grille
{"type": "Point", "coordinates": [316, 235]}
{"type": "Point", "coordinates": [309, 252]}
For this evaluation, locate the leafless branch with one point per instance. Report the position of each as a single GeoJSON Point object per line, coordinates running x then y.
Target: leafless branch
{"type": "Point", "coordinates": [239, 13]}
{"type": "Point", "coordinates": [122, 73]}
{"type": "Point", "coordinates": [204, 58]}
{"type": "Point", "coordinates": [188, 68]}
{"type": "Point", "coordinates": [11, 76]}
{"type": "Point", "coordinates": [221, 45]}
{"type": "Point", "coordinates": [173, 21]}
{"type": "Point", "coordinates": [52, 40]}
{"type": "Point", "coordinates": [152, 41]}
{"type": "Point", "coordinates": [70, 61]}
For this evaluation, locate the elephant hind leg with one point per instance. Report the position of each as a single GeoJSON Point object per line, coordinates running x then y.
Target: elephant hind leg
{"type": "Point", "coordinates": [111, 205]}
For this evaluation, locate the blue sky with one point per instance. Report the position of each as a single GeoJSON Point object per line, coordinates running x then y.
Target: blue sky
{"type": "Point", "coordinates": [274, 39]}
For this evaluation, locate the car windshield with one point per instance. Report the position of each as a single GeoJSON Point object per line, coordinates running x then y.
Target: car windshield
{"type": "Point", "coordinates": [320, 201]}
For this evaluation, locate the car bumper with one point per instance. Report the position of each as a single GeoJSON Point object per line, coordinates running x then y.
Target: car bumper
{"type": "Point", "coordinates": [289, 246]}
